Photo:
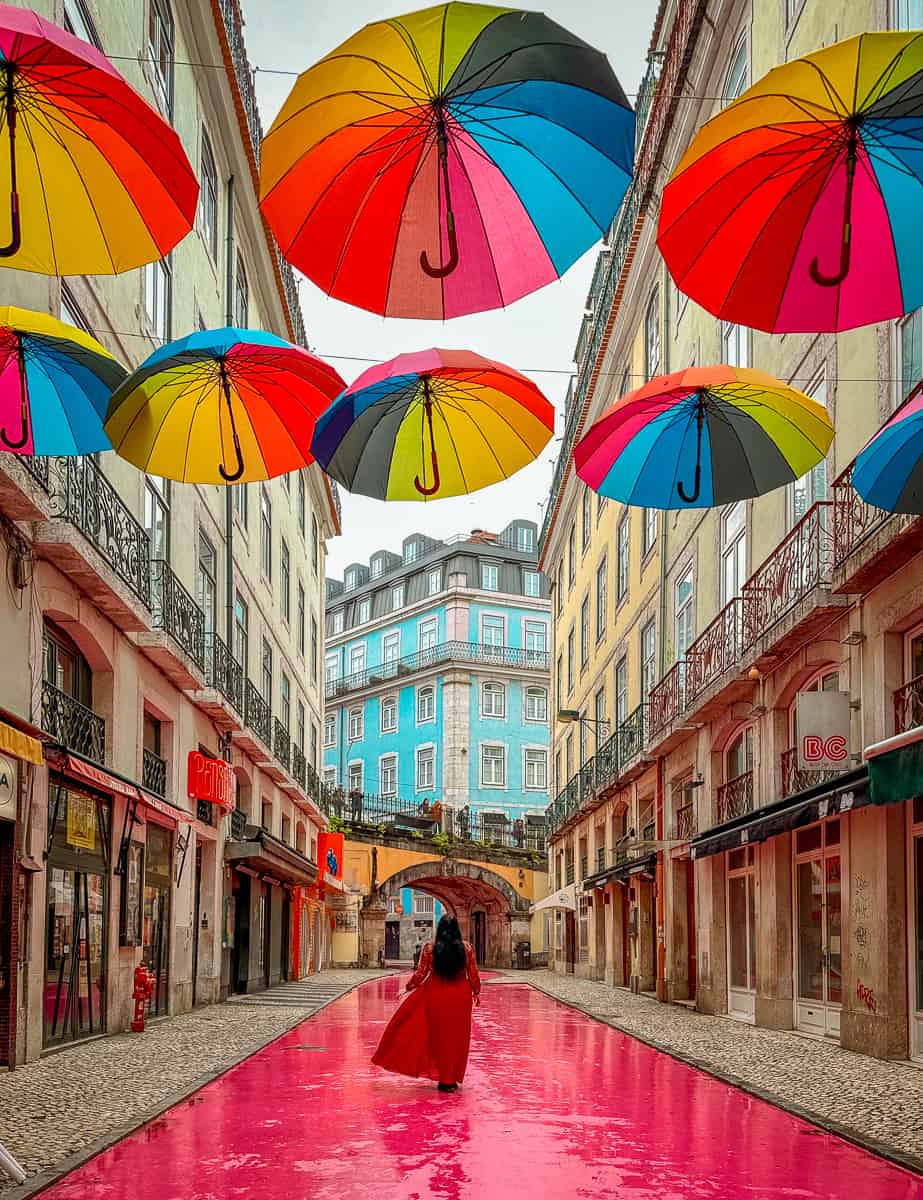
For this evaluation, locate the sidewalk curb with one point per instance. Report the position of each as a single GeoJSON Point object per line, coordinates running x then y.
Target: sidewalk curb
{"type": "Point", "coordinates": [849, 1134]}
{"type": "Point", "coordinates": [48, 1176]}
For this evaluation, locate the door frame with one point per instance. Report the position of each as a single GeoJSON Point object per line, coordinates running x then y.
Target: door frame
{"type": "Point", "coordinates": [808, 1021]}
{"type": "Point", "coordinates": [915, 1006]}
{"type": "Point", "coordinates": [745, 1007]}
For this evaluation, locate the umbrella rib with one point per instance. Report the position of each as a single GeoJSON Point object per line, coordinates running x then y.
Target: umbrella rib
{"type": "Point", "coordinates": [387, 403]}
{"type": "Point", "coordinates": [406, 37]}
{"type": "Point", "coordinates": [38, 363]}
{"type": "Point", "coordinates": [145, 405]}
{"type": "Point", "coordinates": [715, 409]}
{"type": "Point", "coordinates": [477, 209]}
{"type": "Point", "coordinates": [450, 402]}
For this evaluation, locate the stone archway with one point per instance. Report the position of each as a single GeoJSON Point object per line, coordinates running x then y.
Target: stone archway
{"type": "Point", "coordinates": [465, 889]}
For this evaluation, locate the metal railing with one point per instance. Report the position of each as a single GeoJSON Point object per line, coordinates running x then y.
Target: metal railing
{"type": "Point", "coordinates": [686, 825]}
{"type": "Point", "coordinates": [299, 768]}
{"type": "Point", "coordinates": [797, 779]}
{"type": "Point", "coordinates": [238, 824]}
{"type": "Point", "coordinates": [81, 494]}
{"type": "Point", "coordinates": [665, 701]}
{"type": "Point", "coordinates": [908, 705]}
{"type": "Point", "coordinates": [72, 723]}
{"type": "Point", "coordinates": [735, 798]}
{"type": "Point", "coordinates": [600, 858]}
{"type": "Point", "coordinates": [501, 656]}
{"type": "Point", "coordinates": [223, 672]}
{"type": "Point", "coordinates": [174, 610]}
{"type": "Point", "coordinates": [715, 650]}
{"type": "Point", "coordinates": [584, 866]}
{"type": "Point", "coordinates": [854, 519]}
{"type": "Point", "coordinates": [153, 772]}
{"type": "Point", "coordinates": [37, 468]}
{"type": "Point", "coordinates": [631, 737]}
{"type": "Point", "coordinates": [281, 743]}
{"type": "Point", "coordinates": [258, 714]}
{"type": "Point", "coordinates": [569, 874]}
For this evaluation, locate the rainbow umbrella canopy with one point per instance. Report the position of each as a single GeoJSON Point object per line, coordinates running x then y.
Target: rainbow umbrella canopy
{"type": "Point", "coordinates": [222, 406]}
{"type": "Point", "coordinates": [55, 384]}
{"type": "Point", "coordinates": [447, 162]}
{"type": "Point", "coordinates": [701, 438]}
{"type": "Point", "coordinates": [797, 208]}
{"type": "Point", "coordinates": [97, 181]}
{"type": "Point", "coordinates": [889, 471]}
{"type": "Point", "coordinates": [433, 424]}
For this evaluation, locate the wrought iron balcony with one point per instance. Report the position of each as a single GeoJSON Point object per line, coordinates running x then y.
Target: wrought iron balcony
{"type": "Point", "coordinates": [686, 825]}
{"type": "Point", "coordinates": [258, 714]}
{"type": "Point", "coordinates": [881, 541]}
{"type": "Point", "coordinates": [238, 824]}
{"type": "Point", "coordinates": [797, 779]}
{"type": "Point", "coordinates": [37, 468]}
{"type": "Point", "coordinates": [735, 798]}
{"type": "Point", "coordinates": [908, 705]}
{"type": "Point", "coordinates": [281, 743]}
{"type": "Point", "coordinates": [175, 611]}
{"type": "Point", "coordinates": [600, 858]}
{"type": "Point", "coordinates": [665, 701]}
{"type": "Point", "coordinates": [569, 873]}
{"type": "Point", "coordinates": [713, 652]}
{"type": "Point", "coordinates": [631, 737]}
{"type": "Point", "coordinates": [501, 656]}
{"type": "Point", "coordinates": [224, 673]}
{"type": "Point", "coordinates": [299, 767]}
{"type": "Point", "coordinates": [584, 866]}
{"type": "Point", "coordinates": [73, 724]}
{"type": "Point", "coordinates": [854, 519]}
{"type": "Point", "coordinates": [153, 772]}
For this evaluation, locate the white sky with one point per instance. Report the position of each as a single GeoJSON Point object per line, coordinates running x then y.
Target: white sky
{"type": "Point", "coordinates": [538, 331]}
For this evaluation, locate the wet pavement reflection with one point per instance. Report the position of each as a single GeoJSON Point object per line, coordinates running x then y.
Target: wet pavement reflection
{"type": "Point", "coordinates": [555, 1106]}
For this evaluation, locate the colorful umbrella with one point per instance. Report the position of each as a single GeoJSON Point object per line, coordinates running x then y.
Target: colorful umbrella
{"type": "Point", "coordinates": [889, 471]}
{"type": "Point", "coordinates": [221, 406]}
{"type": "Point", "coordinates": [447, 162]}
{"type": "Point", "coordinates": [701, 438]}
{"type": "Point", "coordinates": [797, 207]}
{"type": "Point", "coordinates": [98, 181]}
{"type": "Point", "coordinates": [434, 424]}
{"type": "Point", "coordinates": [55, 383]}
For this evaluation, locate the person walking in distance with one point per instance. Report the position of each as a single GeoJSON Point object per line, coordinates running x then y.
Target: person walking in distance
{"type": "Point", "coordinates": [430, 1034]}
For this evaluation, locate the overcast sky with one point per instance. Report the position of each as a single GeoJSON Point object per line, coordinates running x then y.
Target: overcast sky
{"type": "Point", "coordinates": [538, 331]}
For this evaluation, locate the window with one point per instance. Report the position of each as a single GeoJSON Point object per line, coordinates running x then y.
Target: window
{"type": "Point", "coordinates": [65, 668]}
{"type": "Point", "coordinates": [397, 596]}
{"type": "Point", "coordinates": [377, 568]}
{"type": "Point", "coordinates": [356, 724]}
{"type": "Point", "coordinates": [351, 579]}
{"type": "Point", "coordinates": [356, 776]}
{"type": "Point", "coordinates": [434, 581]}
{"type": "Point", "coordinates": [158, 297]}
{"type": "Point", "coordinates": [330, 730]}
{"type": "Point", "coordinates": [331, 668]}
{"type": "Point", "coordinates": [739, 757]}
{"type": "Point", "coordinates": [537, 770]}
{"type": "Point", "coordinates": [314, 761]}
{"type": "Point", "coordinates": [648, 657]}
{"type": "Point", "coordinates": [301, 622]}
{"type": "Point", "coordinates": [426, 767]}
{"type": "Point", "coordinates": [811, 488]}
{"type": "Point", "coordinates": [387, 775]}
{"type": "Point", "coordinates": [391, 647]}
{"type": "Point", "coordinates": [571, 563]}
{"type": "Point", "coordinates": [301, 504]}
{"type": "Point", "coordinates": [314, 647]}
{"type": "Point", "coordinates": [493, 766]}
{"type": "Point", "coordinates": [493, 700]}
{"type": "Point", "coordinates": [531, 584]}
{"type": "Point", "coordinates": [652, 336]}
{"type": "Point", "coordinates": [426, 705]}
{"type": "Point", "coordinates": [265, 531]}
{"type": "Point", "coordinates": [160, 42]}
{"type": "Point", "coordinates": [490, 577]}
{"type": "Point", "coordinates": [735, 345]}
{"type": "Point", "coordinates": [208, 195]}
{"type": "Point", "coordinates": [908, 14]}
{"type": "Point", "coordinates": [685, 614]}
{"type": "Point", "coordinates": [364, 611]}
{"type": "Point", "coordinates": [535, 636]}
{"type": "Point", "coordinates": [621, 692]}
{"type": "Point", "coordinates": [569, 756]}
{"type": "Point", "coordinates": [241, 295]}
{"type": "Point", "coordinates": [266, 671]}
{"type": "Point", "coordinates": [622, 547]}
{"type": "Point", "coordinates": [570, 660]}
{"type": "Point", "coordinates": [206, 586]}
{"type": "Point", "coordinates": [558, 691]}
{"type": "Point", "coordinates": [791, 11]}
{"type": "Point", "coordinates": [601, 502]}
{"type": "Point", "coordinates": [411, 552]}
{"type": "Point", "coordinates": [285, 695]}
{"type": "Point", "coordinates": [734, 550]}
{"type": "Point", "coordinates": [427, 632]}
{"type": "Point", "coordinates": [240, 503]}
{"type": "Point", "coordinates": [423, 904]}
{"type": "Point", "coordinates": [336, 621]}
{"type": "Point", "coordinates": [157, 516]}
{"type": "Point", "coordinates": [738, 75]}
{"type": "Point", "coordinates": [314, 543]}
{"type": "Point", "coordinates": [77, 20]}
{"type": "Point", "coordinates": [586, 524]}
{"type": "Point", "coordinates": [584, 632]}
{"type": "Point", "coordinates": [241, 631]}
{"type": "Point", "coordinates": [559, 589]}
{"type": "Point", "coordinates": [599, 714]}
{"type": "Point", "coordinates": [493, 630]}
{"type": "Point", "coordinates": [525, 538]}
{"type": "Point", "coordinates": [285, 582]}
{"type": "Point", "coordinates": [648, 531]}
{"type": "Point", "coordinates": [602, 572]}
{"type": "Point", "coordinates": [388, 721]}
{"type": "Point", "coordinates": [536, 704]}
{"type": "Point", "coordinates": [357, 660]}
{"type": "Point", "coordinates": [330, 776]}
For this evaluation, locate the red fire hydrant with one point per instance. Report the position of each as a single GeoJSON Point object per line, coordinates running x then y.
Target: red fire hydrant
{"type": "Point", "coordinates": [144, 989]}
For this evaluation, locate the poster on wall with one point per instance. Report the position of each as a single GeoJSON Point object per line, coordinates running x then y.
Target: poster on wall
{"type": "Point", "coordinates": [346, 920]}
{"type": "Point", "coordinates": [227, 931]}
{"type": "Point", "coordinates": [81, 821]}
{"type": "Point", "coordinates": [130, 914]}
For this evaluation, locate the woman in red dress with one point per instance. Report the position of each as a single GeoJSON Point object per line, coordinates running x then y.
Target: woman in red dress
{"type": "Point", "coordinates": [429, 1035]}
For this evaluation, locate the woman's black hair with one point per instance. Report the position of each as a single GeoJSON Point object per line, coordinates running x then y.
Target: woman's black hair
{"type": "Point", "coordinates": [448, 949]}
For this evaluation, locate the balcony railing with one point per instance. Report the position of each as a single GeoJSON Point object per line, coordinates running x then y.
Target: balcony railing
{"type": "Point", "coordinates": [238, 824]}
{"type": "Point", "coordinates": [281, 743]}
{"type": "Point", "coordinates": [600, 858]}
{"type": "Point", "coordinates": [175, 611]}
{"type": "Point", "coordinates": [224, 673]}
{"type": "Point", "coordinates": [258, 714]}
{"type": "Point", "coordinates": [713, 652]}
{"type": "Point", "coordinates": [854, 519]}
{"type": "Point", "coordinates": [665, 701]}
{"type": "Point", "coordinates": [631, 737]}
{"type": "Point", "coordinates": [797, 779]}
{"type": "Point", "coordinates": [153, 772]}
{"type": "Point", "coordinates": [569, 874]}
{"type": "Point", "coordinates": [37, 468]}
{"type": "Point", "coordinates": [73, 724]}
{"type": "Point", "coordinates": [606, 761]}
{"type": "Point", "coordinates": [81, 494]}
{"type": "Point", "coordinates": [735, 798]}
{"type": "Point", "coordinates": [299, 768]}
{"type": "Point", "coordinates": [501, 656]}
{"type": "Point", "coordinates": [908, 705]}
{"type": "Point", "coordinates": [686, 825]}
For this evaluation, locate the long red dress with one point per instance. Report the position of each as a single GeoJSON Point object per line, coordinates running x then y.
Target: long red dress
{"type": "Point", "coordinates": [429, 1035]}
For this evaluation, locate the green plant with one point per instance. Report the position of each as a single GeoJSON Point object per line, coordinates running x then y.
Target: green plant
{"type": "Point", "coordinates": [381, 827]}
{"type": "Point", "coordinates": [535, 857]}
{"type": "Point", "coordinates": [441, 842]}
{"type": "Point", "coordinates": [337, 825]}
{"type": "Point", "coordinates": [415, 833]}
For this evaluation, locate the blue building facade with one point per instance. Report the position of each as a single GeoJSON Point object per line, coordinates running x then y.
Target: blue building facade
{"type": "Point", "coordinates": [437, 677]}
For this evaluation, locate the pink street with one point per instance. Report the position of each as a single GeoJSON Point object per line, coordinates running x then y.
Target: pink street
{"type": "Point", "coordinates": [554, 1106]}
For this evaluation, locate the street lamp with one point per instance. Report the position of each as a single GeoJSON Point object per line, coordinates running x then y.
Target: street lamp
{"type": "Point", "coordinates": [568, 716]}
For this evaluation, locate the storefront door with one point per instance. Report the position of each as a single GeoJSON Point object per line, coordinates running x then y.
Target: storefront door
{"type": "Point", "coordinates": [392, 940]}
{"type": "Point", "coordinates": [480, 936]}
{"type": "Point", "coordinates": [818, 929]}
{"type": "Point", "coordinates": [916, 930]}
{"type": "Point", "coordinates": [156, 945]}
{"type": "Point", "coordinates": [741, 933]}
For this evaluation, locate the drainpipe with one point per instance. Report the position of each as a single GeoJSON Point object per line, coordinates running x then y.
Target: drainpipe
{"type": "Point", "coordinates": [228, 496]}
{"type": "Point", "coordinates": [665, 342]}
{"type": "Point", "coordinates": [660, 831]}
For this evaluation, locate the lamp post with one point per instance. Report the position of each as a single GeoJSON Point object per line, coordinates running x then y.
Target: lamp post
{"type": "Point", "coordinates": [569, 716]}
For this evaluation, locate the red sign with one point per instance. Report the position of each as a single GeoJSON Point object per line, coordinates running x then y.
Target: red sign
{"type": "Point", "coordinates": [211, 779]}
{"type": "Point", "coordinates": [330, 855]}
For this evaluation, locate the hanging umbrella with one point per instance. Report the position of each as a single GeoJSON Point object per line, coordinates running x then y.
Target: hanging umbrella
{"type": "Point", "coordinates": [434, 424]}
{"type": "Point", "coordinates": [222, 406]}
{"type": "Point", "coordinates": [447, 162]}
{"type": "Point", "coordinates": [55, 383]}
{"type": "Point", "coordinates": [889, 471]}
{"type": "Point", "coordinates": [97, 181]}
{"type": "Point", "coordinates": [797, 207]}
{"type": "Point", "coordinates": [701, 438]}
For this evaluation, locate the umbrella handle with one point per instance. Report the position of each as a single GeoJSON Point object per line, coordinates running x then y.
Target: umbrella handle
{"type": "Point", "coordinates": [451, 263]}
{"type": "Point", "coordinates": [694, 494]}
{"type": "Point", "coordinates": [23, 406]}
{"type": "Point", "coordinates": [428, 412]}
{"type": "Point", "coordinates": [15, 241]}
{"type": "Point", "coordinates": [230, 476]}
{"type": "Point", "coordinates": [429, 491]}
{"type": "Point", "coordinates": [691, 497]}
{"type": "Point", "coordinates": [846, 245]}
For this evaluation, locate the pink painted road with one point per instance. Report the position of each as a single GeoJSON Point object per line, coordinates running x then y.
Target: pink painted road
{"type": "Point", "coordinates": [555, 1107]}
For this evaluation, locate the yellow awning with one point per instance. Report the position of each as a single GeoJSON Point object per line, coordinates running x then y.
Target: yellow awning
{"type": "Point", "coordinates": [20, 745]}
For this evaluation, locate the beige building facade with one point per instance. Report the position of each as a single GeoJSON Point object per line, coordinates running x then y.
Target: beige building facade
{"type": "Point", "coordinates": [711, 862]}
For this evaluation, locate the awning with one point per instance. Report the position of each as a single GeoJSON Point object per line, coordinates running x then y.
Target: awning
{"type": "Point", "coordinates": [565, 899]}
{"type": "Point", "coordinates": [99, 777]}
{"type": "Point", "coordinates": [840, 795]}
{"type": "Point", "coordinates": [896, 768]}
{"type": "Point", "coordinates": [20, 745]}
{"type": "Point", "coordinates": [266, 855]}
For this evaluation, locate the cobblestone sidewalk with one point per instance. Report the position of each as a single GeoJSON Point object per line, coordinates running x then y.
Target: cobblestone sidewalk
{"type": "Point", "coordinates": [73, 1101]}
{"type": "Point", "coordinates": [878, 1104]}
